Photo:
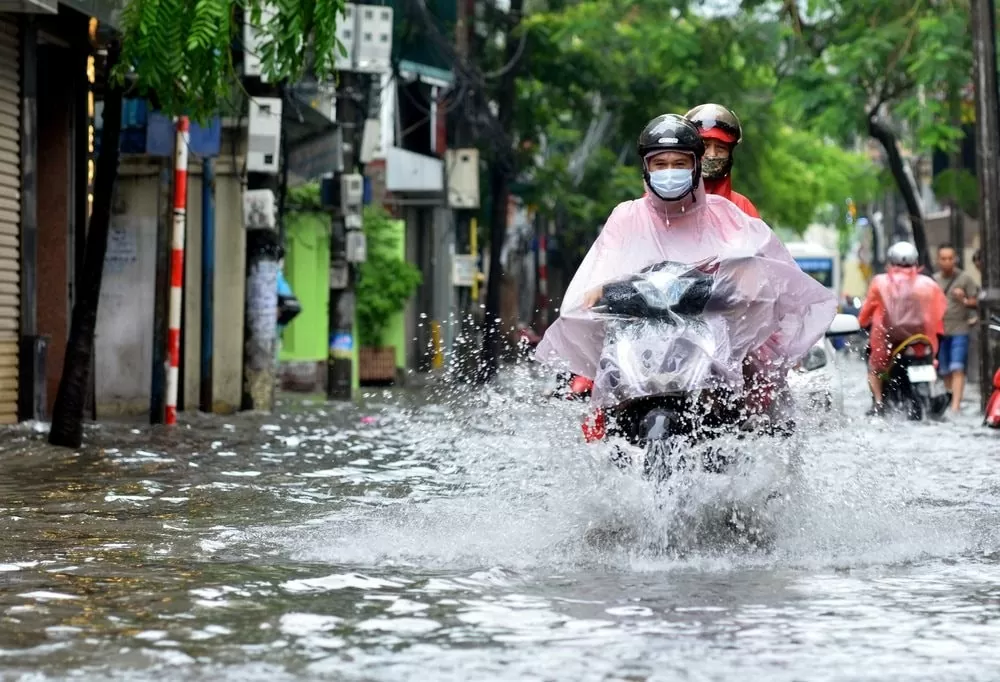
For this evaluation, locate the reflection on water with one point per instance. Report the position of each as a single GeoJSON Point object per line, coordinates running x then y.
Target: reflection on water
{"type": "Point", "coordinates": [476, 537]}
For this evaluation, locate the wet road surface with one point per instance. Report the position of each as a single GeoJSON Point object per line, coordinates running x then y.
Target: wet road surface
{"type": "Point", "coordinates": [474, 537]}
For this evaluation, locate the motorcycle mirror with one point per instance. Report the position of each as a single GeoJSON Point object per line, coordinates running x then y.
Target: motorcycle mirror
{"type": "Point", "coordinates": [843, 325]}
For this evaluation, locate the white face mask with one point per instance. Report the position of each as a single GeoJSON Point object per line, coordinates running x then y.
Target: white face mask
{"type": "Point", "coordinates": [671, 183]}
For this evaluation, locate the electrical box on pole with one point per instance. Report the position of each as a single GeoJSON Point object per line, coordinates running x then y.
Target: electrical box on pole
{"type": "Point", "coordinates": [462, 173]}
{"type": "Point", "coordinates": [264, 135]}
{"type": "Point", "coordinates": [252, 43]}
{"type": "Point", "coordinates": [347, 24]}
{"type": "Point", "coordinates": [373, 39]}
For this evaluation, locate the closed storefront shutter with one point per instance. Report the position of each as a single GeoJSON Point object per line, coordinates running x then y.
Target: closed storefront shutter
{"type": "Point", "coordinates": [10, 215]}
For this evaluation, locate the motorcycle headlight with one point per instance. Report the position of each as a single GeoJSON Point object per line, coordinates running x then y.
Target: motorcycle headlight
{"type": "Point", "coordinates": [814, 359]}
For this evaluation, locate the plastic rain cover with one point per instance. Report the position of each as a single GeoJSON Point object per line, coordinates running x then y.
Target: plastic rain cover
{"type": "Point", "coordinates": [696, 287]}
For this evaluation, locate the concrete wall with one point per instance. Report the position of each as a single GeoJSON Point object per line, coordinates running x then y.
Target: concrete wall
{"type": "Point", "coordinates": [230, 289]}
{"type": "Point", "coordinates": [124, 345]}
{"type": "Point", "coordinates": [125, 318]}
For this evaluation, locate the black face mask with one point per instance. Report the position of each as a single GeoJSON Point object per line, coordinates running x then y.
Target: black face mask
{"type": "Point", "coordinates": [716, 168]}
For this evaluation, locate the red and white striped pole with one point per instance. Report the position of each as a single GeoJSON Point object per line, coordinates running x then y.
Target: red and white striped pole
{"type": "Point", "coordinates": [177, 267]}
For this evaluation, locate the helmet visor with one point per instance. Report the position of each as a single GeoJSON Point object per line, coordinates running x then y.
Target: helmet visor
{"type": "Point", "coordinates": [717, 133]}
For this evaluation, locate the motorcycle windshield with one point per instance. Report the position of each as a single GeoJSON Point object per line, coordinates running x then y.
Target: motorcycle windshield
{"type": "Point", "coordinates": [667, 330]}
{"type": "Point", "coordinates": [687, 298]}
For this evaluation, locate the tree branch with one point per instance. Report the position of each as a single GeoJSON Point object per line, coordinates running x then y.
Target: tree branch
{"type": "Point", "coordinates": [881, 132]}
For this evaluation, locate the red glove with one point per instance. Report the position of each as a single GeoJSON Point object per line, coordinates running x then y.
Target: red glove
{"type": "Point", "coordinates": [594, 427]}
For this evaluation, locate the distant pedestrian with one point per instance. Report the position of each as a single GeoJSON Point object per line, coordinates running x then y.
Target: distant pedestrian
{"type": "Point", "coordinates": [962, 293]}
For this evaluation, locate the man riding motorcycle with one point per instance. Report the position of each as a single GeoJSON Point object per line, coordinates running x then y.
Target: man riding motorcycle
{"type": "Point", "coordinates": [721, 130]}
{"type": "Point", "coordinates": [677, 221]}
{"type": "Point", "coordinates": [900, 303]}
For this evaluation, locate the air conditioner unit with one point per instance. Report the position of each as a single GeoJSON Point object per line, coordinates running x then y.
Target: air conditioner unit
{"type": "Point", "coordinates": [347, 26]}
{"type": "Point", "coordinates": [252, 40]}
{"type": "Point", "coordinates": [462, 174]}
{"type": "Point", "coordinates": [373, 41]}
{"type": "Point", "coordinates": [259, 211]}
{"type": "Point", "coordinates": [264, 135]}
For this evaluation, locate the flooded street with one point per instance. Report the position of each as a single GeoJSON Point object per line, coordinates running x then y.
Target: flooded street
{"type": "Point", "coordinates": [421, 537]}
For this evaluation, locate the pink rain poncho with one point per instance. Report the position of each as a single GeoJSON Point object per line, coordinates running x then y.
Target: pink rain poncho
{"type": "Point", "coordinates": [766, 308]}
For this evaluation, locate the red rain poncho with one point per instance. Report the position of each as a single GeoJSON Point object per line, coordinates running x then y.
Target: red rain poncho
{"type": "Point", "coordinates": [900, 303]}
{"type": "Point", "coordinates": [783, 311]}
{"type": "Point", "coordinates": [724, 188]}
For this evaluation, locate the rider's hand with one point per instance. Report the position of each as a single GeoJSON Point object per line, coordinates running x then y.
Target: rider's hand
{"type": "Point", "coordinates": [591, 298]}
{"type": "Point", "coordinates": [958, 293]}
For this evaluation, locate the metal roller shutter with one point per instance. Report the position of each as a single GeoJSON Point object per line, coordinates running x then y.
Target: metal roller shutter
{"type": "Point", "coordinates": [10, 215]}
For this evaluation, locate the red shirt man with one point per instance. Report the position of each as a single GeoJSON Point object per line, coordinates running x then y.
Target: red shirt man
{"type": "Point", "coordinates": [721, 131]}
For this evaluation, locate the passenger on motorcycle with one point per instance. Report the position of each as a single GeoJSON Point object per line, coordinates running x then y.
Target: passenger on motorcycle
{"type": "Point", "coordinates": [721, 130]}
{"type": "Point", "coordinates": [900, 303]}
{"type": "Point", "coordinates": [677, 221]}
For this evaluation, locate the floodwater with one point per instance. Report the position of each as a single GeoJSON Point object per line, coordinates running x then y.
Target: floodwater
{"type": "Point", "coordinates": [422, 537]}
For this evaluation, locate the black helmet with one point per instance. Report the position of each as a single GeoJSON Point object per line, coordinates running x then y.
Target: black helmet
{"type": "Point", "coordinates": [714, 121]}
{"type": "Point", "coordinates": [671, 133]}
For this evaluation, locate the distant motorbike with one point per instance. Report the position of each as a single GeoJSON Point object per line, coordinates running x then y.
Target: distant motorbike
{"type": "Point", "coordinates": [912, 385]}
{"type": "Point", "coordinates": [992, 418]}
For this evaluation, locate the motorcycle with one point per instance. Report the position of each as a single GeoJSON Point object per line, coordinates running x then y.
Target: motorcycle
{"type": "Point", "coordinates": [912, 385]}
{"type": "Point", "coordinates": [992, 418]}
{"type": "Point", "coordinates": [660, 367]}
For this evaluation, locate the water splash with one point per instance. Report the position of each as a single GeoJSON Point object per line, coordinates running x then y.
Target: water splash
{"type": "Point", "coordinates": [524, 492]}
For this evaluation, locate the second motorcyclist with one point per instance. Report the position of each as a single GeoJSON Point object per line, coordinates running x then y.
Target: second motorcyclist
{"type": "Point", "coordinates": [677, 221]}
{"type": "Point", "coordinates": [900, 303]}
{"type": "Point", "coordinates": [721, 130]}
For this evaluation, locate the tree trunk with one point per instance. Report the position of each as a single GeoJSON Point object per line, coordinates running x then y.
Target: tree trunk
{"type": "Point", "coordinates": [67, 416]}
{"type": "Point", "coordinates": [956, 221]}
{"type": "Point", "coordinates": [492, 336]}
{"type": "Point", "coordinates": [501, 171]}
{"type": "Point", "coordinates": [881, 132]}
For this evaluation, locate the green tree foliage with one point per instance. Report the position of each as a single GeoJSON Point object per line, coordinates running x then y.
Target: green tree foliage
{"type": "Point", "coordinates": [385, 281]}
{"type": "Point", "coordinates": [891, 69]}
{"type": "Point", "coordinates": [180, 50]}
{"type": "Point", "coordinates": [634, 60]}
{"type": "Point", "coordinates": [857, 56]}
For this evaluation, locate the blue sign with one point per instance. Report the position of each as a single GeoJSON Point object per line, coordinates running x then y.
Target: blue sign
{"type": "Point", "coordinates": [808, 264]}
{"type": "Point", "coordinates": [202, 141]}
{"type": "Point", "coordinates": [342, 343]}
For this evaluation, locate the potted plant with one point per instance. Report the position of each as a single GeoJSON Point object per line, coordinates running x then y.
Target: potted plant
{"type": "Point", "coordinates": [385, 283]}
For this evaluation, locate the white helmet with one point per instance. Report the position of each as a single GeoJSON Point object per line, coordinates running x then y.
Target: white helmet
{"type": "Point", "coordinates": [903, 254]}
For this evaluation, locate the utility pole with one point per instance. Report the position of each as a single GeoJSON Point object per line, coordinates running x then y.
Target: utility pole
{"type": "Point", "coordinates": [344, 193]}
{"type": "Point", "coordinates": [501, 172]}
{"type": "Point", "coordinates": [956, 222]}
{"type": "Point", "coordinates": [263, 245]}
{"type": "Point", "coordinates": [466, 350]}
{"type": "Point", "coordinates": [983, 19]}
